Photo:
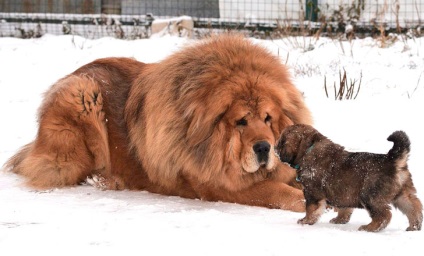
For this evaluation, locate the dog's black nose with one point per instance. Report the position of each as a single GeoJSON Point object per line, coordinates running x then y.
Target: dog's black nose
{"type": "Point", "coordinates": [261, 150]}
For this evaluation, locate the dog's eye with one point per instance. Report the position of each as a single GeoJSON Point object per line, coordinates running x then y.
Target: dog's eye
{"type": "Point", "coordinates": [268, 118]}
{"type": "Point", "coordinates": [241, 122]}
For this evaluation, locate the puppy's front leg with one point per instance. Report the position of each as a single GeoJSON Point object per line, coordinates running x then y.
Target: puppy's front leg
{"type": "Point", "coordinates": [343, 216]}
{"type": "Point", "coordinates": [314, 210]}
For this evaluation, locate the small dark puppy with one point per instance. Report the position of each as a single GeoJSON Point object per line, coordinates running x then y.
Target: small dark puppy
{"type": "Point", "coordinates": [331, 175]}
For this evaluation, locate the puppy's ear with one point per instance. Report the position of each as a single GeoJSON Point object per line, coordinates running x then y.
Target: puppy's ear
{"type": "Point", "coordinates": [308, 139]}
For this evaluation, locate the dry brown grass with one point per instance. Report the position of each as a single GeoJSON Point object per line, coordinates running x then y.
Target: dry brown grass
{"type": "Point", "coordinates": [345, 90]}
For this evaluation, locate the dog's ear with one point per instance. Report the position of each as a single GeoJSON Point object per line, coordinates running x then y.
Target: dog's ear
{"type": "Point", "coordinates": [283, 122]}
{"type": "Point", "coordinates": [200, 129]}
{"type": "Point", "coordinates": [201, 126]}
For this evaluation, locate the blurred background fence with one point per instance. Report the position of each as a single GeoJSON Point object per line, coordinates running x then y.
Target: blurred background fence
{"type": "Point", "coordinates": [139, 19]}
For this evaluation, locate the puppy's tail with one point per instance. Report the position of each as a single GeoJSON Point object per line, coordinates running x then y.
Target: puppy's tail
{"type": "Point", "coordinates": [401, 146]}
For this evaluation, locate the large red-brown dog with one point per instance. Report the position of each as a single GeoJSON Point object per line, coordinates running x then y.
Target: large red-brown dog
{"type": "Point", "coordinates": [202, 123]}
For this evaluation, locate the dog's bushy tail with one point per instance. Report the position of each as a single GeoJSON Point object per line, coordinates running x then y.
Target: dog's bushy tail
{"type": "Point", "coordinates": [14, 163]}
{"type": "Point", "coordinates": [401, 145]}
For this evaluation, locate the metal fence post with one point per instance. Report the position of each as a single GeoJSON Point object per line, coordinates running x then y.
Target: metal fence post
{"type": "Point", "coordinates": [311, 10]}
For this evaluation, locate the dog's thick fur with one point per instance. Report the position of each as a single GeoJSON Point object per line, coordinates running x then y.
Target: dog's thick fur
{"type": "Point", "coordinates": [331, 175]}
{"type": "Point", "coordinates": [202, 123]}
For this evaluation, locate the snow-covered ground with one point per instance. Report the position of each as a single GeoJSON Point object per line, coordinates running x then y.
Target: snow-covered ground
{"type": "Point", "coordinates": [82, 220]}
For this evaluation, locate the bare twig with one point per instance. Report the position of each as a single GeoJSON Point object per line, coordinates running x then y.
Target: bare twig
{"type": "Point", "coordinates": [359, 86]}
{"type": "Point", "coordinates": [418, 83]}
{"type": "Point", "coordinates": [325, 85]}
{"type": "Point", "coordinates": [345, 90]}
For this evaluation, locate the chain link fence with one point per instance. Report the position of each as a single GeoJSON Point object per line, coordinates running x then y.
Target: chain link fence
{"type": "Point", "coordinates": [132, 19]}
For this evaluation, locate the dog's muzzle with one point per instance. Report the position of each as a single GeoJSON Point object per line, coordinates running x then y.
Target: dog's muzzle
{"type": "Point", "coordinates": [261, 150]}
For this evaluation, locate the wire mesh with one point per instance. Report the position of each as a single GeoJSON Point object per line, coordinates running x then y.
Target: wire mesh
{"type": "Point", "coordinates": [133, 19]}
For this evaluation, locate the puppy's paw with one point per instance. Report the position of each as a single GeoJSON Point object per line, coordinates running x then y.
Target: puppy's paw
{"type": "Point", "coordinates": [306, 221]}
{"type": "Point", "coordinates": [339, 221]}
{"type": "Point", "coordinates": [369, 228]}
{"type": "Point", "coordinates": [415, 227]}
{"type": "Point", "coordinates": [365, 228]}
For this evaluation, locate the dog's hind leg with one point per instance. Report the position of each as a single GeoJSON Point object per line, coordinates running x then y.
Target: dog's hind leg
{"type": "Point", "coordinates": [343, 216]}
{"type": "Point", "coordinates": [71, 142]}
{"type": "Point", "coordinates": [94, 126]}
{"type": "Point", "coordinates": [409, 204]}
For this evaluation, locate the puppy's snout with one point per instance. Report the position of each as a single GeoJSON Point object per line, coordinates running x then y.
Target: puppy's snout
{"type": "Point", "coordinates": [261, 150]}
{"type": "Point", "coordinates": [285, 156]}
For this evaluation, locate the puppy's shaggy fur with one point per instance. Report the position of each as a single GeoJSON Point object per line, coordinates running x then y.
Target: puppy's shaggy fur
{"type": "Point", "coordinates": [331, 175]}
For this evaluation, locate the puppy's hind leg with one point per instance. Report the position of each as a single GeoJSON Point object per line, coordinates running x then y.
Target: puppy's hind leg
{"type": "Point", "coordinates": [380, 215]}
{"type": "Point", "coordinates": [409, 204]}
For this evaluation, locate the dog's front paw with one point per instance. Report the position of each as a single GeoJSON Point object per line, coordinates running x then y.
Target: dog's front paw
{"type": "Point", "coordinates": [105, 183]}
{"type": "Point", "coordinates": [97, 181]}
